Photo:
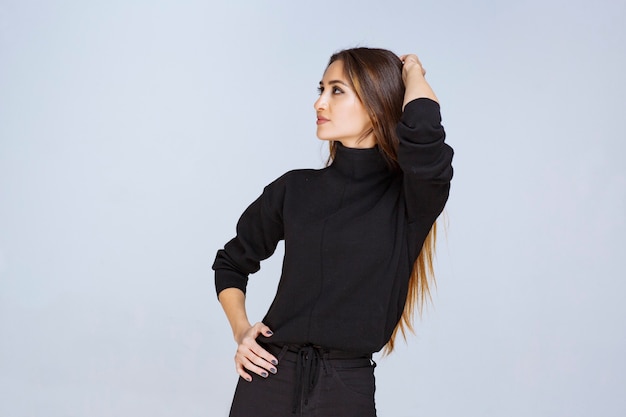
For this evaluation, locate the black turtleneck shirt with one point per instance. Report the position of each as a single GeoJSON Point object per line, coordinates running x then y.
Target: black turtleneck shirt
{"type": "Point", "coordinates": [352, 232]}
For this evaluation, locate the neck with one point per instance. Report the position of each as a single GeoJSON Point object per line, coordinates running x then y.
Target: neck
{"type": "Point", "coordinates": [359, 163]}
{"type": "Point", "coordinates": [362, 142]}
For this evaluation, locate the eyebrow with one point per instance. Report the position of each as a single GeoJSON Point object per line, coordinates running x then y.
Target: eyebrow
{"type": "Point", "coordinates": [331, 82]}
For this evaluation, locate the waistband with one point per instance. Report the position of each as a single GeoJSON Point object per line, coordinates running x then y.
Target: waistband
{"type": "Point", "coordinates": [309, 359]}
{"type": "Point", "coordinates": [291, 351]}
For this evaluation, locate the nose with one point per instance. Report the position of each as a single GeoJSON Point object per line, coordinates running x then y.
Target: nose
{"type": "Point", "coordinates": [320, 103]}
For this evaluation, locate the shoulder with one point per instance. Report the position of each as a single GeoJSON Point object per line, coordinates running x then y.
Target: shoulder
{"type": "Point", "coordinates": [291, 183]}
{"type": "Point", "coordinates": [294, 182]}
{"type": "Point", "coordinates": [297, 176]}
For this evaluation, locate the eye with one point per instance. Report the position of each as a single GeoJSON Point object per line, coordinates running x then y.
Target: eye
{"type": "Point", "coordinates": [320, 90]}
{"type": "Point", "coordinates": [337, 90]}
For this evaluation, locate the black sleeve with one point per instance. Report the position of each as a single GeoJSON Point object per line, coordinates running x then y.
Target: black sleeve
{"type": "Point", "coordinates": [425, 160]}
{"type": "Point", "coordinates": [259, 230]}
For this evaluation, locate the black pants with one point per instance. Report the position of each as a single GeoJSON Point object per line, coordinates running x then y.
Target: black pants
{"type": "Point", "coordinates": [310, 382]}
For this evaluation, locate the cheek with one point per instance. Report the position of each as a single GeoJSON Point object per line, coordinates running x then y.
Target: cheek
{"type": "Point", "coordinates": [364, 120]}
{"type": "Point", "coordinates": [360, 115]}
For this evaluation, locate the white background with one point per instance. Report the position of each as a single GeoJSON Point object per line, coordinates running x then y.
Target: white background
{"type": "Point", "coordinates": [134, 133]}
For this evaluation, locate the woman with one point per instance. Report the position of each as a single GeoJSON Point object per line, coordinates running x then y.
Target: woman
{"type": "Point", "coordinates": [353, 232]}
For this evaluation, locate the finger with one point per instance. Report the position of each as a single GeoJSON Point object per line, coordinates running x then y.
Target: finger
{"type": "Point", "coordinates": [242, 373]}
{"type": "Point", "coordinates": [260, 328]}
{"type": "Point", "coordinates": [251, 366]}
{"type": "Point", "coordinates": [265, 359]}
{"type": "Point", "coordinates": [411, 58]}
{"type": "Point", "coordinates": [253, 352]}
{"type": "Point", "coordinates": [259, 351]}
{"type": "Point", "coordinates": [266, 331]}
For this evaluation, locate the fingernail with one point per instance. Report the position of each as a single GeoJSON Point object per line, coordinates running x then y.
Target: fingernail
{"type": "Point", "coordinates": [274, 362]}
{"type": "Point", "coordinates": [264, 374]}
{"type": "Point", "coordinates": [273, 370]}
{"type": "Point", "coordinates": [248, 379]}
{"type": "Point", "coordinates": [269, 332]}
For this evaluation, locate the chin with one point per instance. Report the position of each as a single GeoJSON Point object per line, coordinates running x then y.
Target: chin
{"type": "Point", "coordinates": [325, 137]}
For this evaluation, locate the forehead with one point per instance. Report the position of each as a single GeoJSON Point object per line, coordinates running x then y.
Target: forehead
{"type": "Point", "coordinates": [334, 72]}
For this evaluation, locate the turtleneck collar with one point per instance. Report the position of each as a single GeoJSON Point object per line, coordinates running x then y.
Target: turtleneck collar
{"type": "Point", "coordinates": [359, 163]}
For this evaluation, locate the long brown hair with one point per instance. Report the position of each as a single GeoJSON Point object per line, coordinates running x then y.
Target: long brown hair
{"type": "Point", "coordinates": [376, 77]}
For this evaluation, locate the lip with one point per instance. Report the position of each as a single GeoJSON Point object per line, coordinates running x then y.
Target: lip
{"type": "Point", "coordinates": [321, 120]}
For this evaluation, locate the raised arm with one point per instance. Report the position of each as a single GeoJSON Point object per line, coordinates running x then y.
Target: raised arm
{"type": "Point", "coordinates": [414, 82]}
{"type": "Point", "coordinates": [423, 155]}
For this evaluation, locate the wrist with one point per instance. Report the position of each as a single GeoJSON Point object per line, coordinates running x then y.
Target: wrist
{"type": "Point", "coordinates": [414, 73]}
{"type": "Point", "coordinates": [240, 329]}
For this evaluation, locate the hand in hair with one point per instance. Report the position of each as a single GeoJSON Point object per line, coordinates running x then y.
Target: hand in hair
{"type": "Point", "coordinates": [411, 62]}
{"type": "Point", "coordinates": [414, 82]}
